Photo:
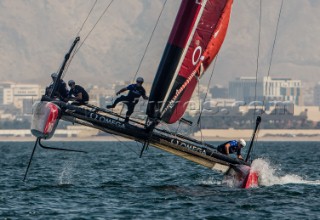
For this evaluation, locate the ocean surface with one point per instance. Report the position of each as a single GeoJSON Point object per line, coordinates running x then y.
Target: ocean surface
{"type": "Point", "coordinates": [112, 182]}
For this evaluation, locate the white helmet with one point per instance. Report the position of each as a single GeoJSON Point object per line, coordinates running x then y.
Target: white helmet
{"type": "Point", "coordinates": [139, 80]}
{"type": "Point", "coordinates": [242, 142]}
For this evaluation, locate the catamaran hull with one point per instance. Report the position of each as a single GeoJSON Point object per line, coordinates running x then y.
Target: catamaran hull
{"type": "Point", "coordinates": [176, 144]}
{"type": "Point", "coordinates": [251, 180]}
{"type": "Point", "coordinates": [241, 176]}
{"type": "Point", "coordinates": [45, 119]}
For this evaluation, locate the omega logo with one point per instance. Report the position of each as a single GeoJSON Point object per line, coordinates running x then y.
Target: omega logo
{"type": "Point", "coordinates": [196, 55]}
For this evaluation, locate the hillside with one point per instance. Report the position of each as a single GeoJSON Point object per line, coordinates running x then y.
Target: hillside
{"type": "Point", "coordinates": [35, 35]}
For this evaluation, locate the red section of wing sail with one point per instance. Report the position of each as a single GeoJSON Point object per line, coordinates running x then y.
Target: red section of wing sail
{"type": "Point", "coordinates": [205, 45]}
{"type": "Point", "coordinates": [172, 56]}
{"type": "Point", "coordinates": [184, 22]}
{"type": "Point", "coordinates": [218, 36]}
{"type": "Point", "coordinates": [206, 28]}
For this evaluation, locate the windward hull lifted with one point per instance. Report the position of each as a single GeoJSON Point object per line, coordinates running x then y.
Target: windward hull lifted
{"type": "Point", "coordinates": [103, 120]}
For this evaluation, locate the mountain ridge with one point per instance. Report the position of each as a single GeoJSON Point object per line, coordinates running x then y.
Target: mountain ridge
{"type": "Point", "coordinates": [37, 34]}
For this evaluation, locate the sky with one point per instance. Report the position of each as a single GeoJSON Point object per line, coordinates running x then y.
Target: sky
{"type": "Point", "coordinates": [35, 35]}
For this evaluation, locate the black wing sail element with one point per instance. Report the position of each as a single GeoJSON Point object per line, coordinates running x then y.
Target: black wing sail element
{"type": "Point", "coordinates": [195, 39]}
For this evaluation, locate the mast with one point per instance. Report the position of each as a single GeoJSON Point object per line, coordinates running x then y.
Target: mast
{"type": "Point", "coordinates": [253, 137]}
{"type": "Point", "coordinates": [66, 58]}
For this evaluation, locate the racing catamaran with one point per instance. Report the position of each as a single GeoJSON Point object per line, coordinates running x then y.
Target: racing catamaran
{"type": "Point", "coordinates": [196, 37]}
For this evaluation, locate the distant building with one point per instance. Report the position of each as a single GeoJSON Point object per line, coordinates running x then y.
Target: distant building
{"type": "Point", "coordinates": [17, 94]}
{"type": "Point", "coordinates": [247, 89]}
{"type": "Point", "coordinates": [283, 89]}
{"type": "Point", "coordinates": [98, 95]}
{"type": "Point", "coordinates": [5, 94]}
{"type": "Point", "coordinates": [316, 94]}
{"type": "Point", "coordinates": [219, 92]}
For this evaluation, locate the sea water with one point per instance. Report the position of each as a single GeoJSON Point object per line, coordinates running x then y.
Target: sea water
{"type": "Point", "coordinates": [112, 182]}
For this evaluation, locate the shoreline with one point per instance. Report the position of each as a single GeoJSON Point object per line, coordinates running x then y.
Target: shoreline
{"type": "Point", "coordinates": [218, 135]}
{"type": "Point", "coordinates": [112, 139]}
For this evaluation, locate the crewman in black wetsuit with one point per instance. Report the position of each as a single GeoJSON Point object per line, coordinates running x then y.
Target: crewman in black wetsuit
{"type": "Point", "coordinates": [231, 147]}
{"type": "Point", "coordinates": [62, 91]}
{"type": "Point", "coordinates": [77, 93]}
{"type": "Point", "coordinates": [135, 92]}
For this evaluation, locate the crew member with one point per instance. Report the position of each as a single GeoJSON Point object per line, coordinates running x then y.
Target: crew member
{"type": "Point", "coordinates": [231, 147]}
{"type": "Point", "coordinates": [61, 92]}
{"type": "Point", "coordinates": [77, 93]}
{"type": "Point", "coordinates": [135, 92]}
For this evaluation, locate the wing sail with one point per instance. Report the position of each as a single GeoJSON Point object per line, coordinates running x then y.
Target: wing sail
{"type": "Point", "coordinates": [197, 35]}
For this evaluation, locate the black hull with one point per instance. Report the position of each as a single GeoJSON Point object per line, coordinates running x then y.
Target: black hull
{"type": "Point", "coordinates": [185, 147]}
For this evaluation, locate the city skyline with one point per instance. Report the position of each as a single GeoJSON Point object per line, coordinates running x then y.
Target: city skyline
{"type": "Point", "coordinates": [239, 89]}
{"type": "Point", "coordinates": [283, 102]}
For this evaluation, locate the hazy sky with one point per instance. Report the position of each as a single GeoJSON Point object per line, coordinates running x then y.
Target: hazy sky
{"type": "Point", "coordinates": [35, 35]}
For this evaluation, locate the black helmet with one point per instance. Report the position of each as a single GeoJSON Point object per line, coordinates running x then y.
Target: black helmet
{"type": "Point", "coordinates": [54, 75]}
{"type": "Point", "coordinates": [71, 82]}
{"type": "Point", "coordinates": [139, 80]}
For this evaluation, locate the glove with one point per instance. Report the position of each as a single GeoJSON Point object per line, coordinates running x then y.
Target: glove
{"type": "Point", "coordinates": [118, 93]}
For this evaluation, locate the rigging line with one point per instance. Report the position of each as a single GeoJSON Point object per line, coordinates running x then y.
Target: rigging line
{"type": "Point", "coordinates": [257, 69]}
{"type": "Point", "coordinates": [145, 51]}
{"type": "Point", "coordinates": [258, 58]}
{"type": "Point", "coordinates": [273, 47]}
{"type": "Point", "coordinates": [94, 4]}
{"type": "Point", "coordinates": [128, 147]}
{"type": "Point", "coordinates": [78, 48]}
{"type": "Point", "coordinates": [205, 97]}
{"type": "Point", "coordinates": [69, 61]}
{"type": "Point", "coordinates": [200, 108]}
{"type": "Point", "coordinates": [103, 13]}
{"type": "Point", "coordinates": [208, 86]}
{"type": "Point", "coordinates": [125, 145]}
{"type": "Point", "coordinates": [144, 54]}
{"type": "Point", "coordinates": [169, 129]}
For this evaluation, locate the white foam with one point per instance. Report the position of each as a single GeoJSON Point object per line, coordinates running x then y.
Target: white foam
{"type": "Point", "coordinates": [268, 175]}
{"type": "Point", "coordinates": [210, 181]}
{"type": "Point", "coordinates": [66, 174]}
{"type": "Point", "coordinates": [231, 182]}
{"type": "Point", "coordinates": [226, 181]}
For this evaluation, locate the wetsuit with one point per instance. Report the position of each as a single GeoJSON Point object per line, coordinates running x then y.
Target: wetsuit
{"type": "Point", "coordinates": [232, 149]}
{"type": "Point", "coordinates": [135, 92]}
{"type": "Point", "coordinates": [79, 89]}
{"type": "Point", "coordinates": [62, 91]}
